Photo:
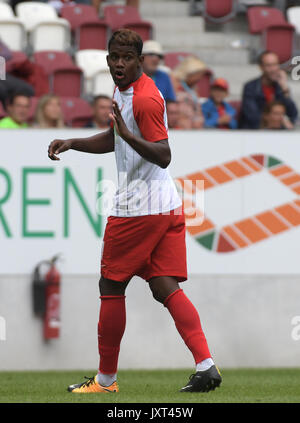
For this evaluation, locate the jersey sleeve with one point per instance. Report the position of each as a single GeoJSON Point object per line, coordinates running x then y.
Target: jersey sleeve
{"type": "Point", "coordinates": [149, 114]}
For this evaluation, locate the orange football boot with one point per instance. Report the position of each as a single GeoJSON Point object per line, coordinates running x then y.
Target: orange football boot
{"type": "Point", "coordinates": [91, 386]}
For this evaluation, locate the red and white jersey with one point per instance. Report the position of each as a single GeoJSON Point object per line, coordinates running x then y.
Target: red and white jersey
{"type": "Point", "coordinates": [143, 187]}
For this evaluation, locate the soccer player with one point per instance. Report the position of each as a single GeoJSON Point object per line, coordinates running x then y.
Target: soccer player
{"type": "Point", "coordinates": [145, 233]}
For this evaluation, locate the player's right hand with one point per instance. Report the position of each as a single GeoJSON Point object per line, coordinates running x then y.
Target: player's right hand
{"type": "Point", "coordinates": [56, 147]}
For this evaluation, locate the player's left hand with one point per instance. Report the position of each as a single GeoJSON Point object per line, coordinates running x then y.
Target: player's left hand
{"type": "Point", "coordinates": [119, 123]}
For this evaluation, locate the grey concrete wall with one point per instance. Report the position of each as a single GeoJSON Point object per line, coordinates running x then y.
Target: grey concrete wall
{"type": "Point", "coordinates": [247, 321]}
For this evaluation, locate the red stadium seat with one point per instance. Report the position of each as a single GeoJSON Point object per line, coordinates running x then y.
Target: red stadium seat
{"type": "Point", "coordinates": [217, 11]}
{"type": "Point", "coordinates": [280, 40]}
{"type": "Point", "coordinates": [33, 104]}
{"type": "Point", "coordinates": [144, 29]}
{"type": "Point", "coordinates": [91, 35]}
{"type": "Point", "coordinates": [53, 60]}
{"type": "Point", "coordinates": [77, 112]}
{"type": "Point", "coordinates": [174, 58]}
{"type": "Point", "coordinates": [117, 16]}
{"type": "Point", "coordinates": [65, 82]}
{"type": "Point", "coordinates": [127, 17]}
{"type": "Point", "coordinates": [65, 78]}
{"type": "Point", "coordinates": [260, 17]}
{"type": "Point", "coordinates": [79, 14]}
{"type": "Point", "coordinates": [17, 57]}
{"type": "Point", "coordinates": [203, 86]}
{"type": "Point", "coordinates": [90, 31]}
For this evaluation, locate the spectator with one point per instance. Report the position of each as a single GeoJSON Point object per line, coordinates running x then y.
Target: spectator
{"type": "Point", "coordinates": [18, 108]}
{"type": "Point", "coordinates": [153, 54]}
{"type": "Point", "coordinates": [217, 112]}
{"type": "Point", "coordinates": [271, 85]}
{"type": "Point", "coordinates": [274, 117]}
{"type": "Point", "coordinates": [102, 107]}
{"type": "Point", "coordinates": [49, 113]}
{"type": "Point", "coordinates": [186, 77]}
{"type": "Point", "coordinates": [173, 114]}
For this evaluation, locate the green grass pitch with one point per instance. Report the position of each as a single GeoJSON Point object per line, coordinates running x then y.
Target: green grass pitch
{"type": "Point", "coordinates": [154, 386]}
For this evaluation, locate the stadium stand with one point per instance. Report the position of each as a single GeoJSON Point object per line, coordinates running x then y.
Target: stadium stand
{"type": "Point", "coordinates": [102, 84]}
{"type": "Point", "coordinates": [280, 40]}
{"type": "Point", "coordinates": [92, 63]}
{"type": "Point", "coordinates": [65, 78]}
{"type": "Point", "coordinates": [6, 11]}
{"type": "Point", "coordinates": [203, 86]}
{"type": "Point", "coordinates": [77, 112]}
{"type": "Point", "coordinates": [91, 35]}
{"type": "Point", "coordinates": [32, 13]}
{"type": "Point", "coordinates": [78, 14]}
{"type": "Point", "coordinates": [217, 11]}
{"type": "Point", "coordinates": [127, 17]}
{"type": "Point", "coordinates": [12, 31]}
{"type": "Point", "coordinates": [53, 35]}
{"type": "Point", "coordinates": [46, 30]}
{"type": "Point", "coordinates": [293, 16]}
{"type": "Point", "coordinates": [172, 59]}
{"type": "Point", "coordinates": [277, 34]}
{"type": "Point", "coordinates": [33, 104]}
{"type": "Point", "coordinates": [260, 18]}
{"type": "Point", "coordinates": [224, 47]}
{"type": "Point", "coordinates": [90, 32]}
{"type": "Point", "coordinates": [17, 56]}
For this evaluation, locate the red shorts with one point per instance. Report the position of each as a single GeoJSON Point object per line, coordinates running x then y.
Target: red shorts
{"type": "Point", "coordinates": [146, 246]}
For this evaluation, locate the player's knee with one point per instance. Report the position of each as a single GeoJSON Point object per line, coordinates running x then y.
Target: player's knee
{"type": "Point", "coordinates": [157, 295]}
{"type": "Point", "coordinates": [162, 287]}
{"type": "Point", "coordinates": [109, 287]}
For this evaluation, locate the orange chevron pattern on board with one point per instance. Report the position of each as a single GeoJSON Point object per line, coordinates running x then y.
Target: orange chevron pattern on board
{"type": "Point", "coordinates": [251, 230]}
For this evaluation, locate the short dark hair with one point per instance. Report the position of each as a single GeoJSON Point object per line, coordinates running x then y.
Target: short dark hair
{"type": "Point", "coordinates": [267, 110]}
{"type": "Point", "coordinates": [126, 37]}
{"type": "Point", "coordinates": [260, 58]}
{"type": "Point", "coordinates": [100, 97]}
{"type": "Point", "coordinates": [269, 106]}
{"type": "Point", "coordinates": [13, 95]}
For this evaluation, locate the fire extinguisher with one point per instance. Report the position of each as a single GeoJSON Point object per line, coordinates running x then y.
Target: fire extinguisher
{"type": "Point", "coordinates": [46, 298]}
{"type": "Point", "coordinates": [52, 304]}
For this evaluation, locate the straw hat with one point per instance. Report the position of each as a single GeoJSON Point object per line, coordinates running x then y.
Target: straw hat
{"type": "Point", "coordinates": [189, 65]}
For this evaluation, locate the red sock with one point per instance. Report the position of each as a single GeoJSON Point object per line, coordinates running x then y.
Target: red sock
{"type": "Point", "coordinates": [111, 326]}
{"type": "Point", "coordinates": [188, 324]}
